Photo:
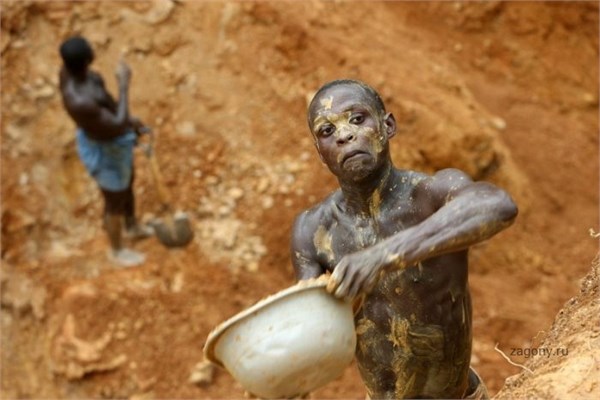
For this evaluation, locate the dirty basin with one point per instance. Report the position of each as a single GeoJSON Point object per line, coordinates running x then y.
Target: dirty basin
{"type": "Point", "coordinates": [288, 344]}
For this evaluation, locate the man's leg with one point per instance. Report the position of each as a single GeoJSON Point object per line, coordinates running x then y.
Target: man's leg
{"type": "Point", "coordinates": [133, 229]}
{"type": "Point", "coordinates": [114, 210]}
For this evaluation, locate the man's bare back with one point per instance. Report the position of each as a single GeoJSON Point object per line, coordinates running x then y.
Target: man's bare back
{"type": "Point", "coordinates": [90, 89]}
{"type": "Point", "coordinates": [399, 238]}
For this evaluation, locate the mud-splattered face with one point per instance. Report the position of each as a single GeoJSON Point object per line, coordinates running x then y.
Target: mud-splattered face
{"type": "Point", "coordinates": [350, 133]}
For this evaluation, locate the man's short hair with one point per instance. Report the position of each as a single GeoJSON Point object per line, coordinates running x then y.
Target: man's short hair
{"type": "Point", "coordinates": [76, 53]}
{"type": "Point", "coordinates": [368, 90]}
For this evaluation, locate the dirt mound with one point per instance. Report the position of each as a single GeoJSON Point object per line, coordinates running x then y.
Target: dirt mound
{"type": "Point", "coordinates": [567, 362]}
{"type": "Point", "coordinates": [507, 91]}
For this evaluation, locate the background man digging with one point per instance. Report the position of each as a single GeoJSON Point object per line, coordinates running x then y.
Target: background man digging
{"type": "Point", "coordinates": [106, 135]}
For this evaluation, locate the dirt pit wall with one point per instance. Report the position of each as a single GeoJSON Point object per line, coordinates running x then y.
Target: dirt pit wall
{"type": "Point", "coordinates": [506, 91]}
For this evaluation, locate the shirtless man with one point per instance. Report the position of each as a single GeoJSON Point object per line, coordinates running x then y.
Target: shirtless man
{"type": "Point", "coordinates": [106, 135]}
{"type": "Point", "coordinates": [398, 240]}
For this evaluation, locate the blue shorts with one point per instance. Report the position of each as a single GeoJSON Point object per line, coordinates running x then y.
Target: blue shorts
{"type": "Point", "coordinates": [110, 163]}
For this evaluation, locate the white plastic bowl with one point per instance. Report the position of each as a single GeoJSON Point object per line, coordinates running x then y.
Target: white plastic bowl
{"type": "Point", "coordinates": [287, 344]}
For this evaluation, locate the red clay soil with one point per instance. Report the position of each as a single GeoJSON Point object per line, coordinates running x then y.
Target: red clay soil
{"type": "Point", "coordinates": [567, 362]}
{"type": "Point", "coordinates": [507, 91]}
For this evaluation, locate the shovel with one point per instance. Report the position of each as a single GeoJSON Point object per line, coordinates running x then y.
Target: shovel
{"type": "Point", "coordinates": [174, 230]}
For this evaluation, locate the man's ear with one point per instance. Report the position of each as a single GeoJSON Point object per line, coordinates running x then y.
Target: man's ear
{"type": "Point", "coordinates": [390, 125]}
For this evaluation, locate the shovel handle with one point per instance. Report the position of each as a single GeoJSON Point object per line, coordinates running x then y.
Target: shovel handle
{"type": "Point", "coordinates": [163, 194]}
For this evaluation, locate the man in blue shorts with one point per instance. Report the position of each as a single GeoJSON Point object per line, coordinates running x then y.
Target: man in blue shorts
{"type": "Point", "coordinates": [106, 135]}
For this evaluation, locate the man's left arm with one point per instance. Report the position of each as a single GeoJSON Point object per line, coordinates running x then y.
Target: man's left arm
{"type": "Point", "coordinates": [462, 213]}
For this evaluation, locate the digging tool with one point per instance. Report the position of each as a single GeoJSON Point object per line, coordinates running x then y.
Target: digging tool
{"type": "Point", "coordinates": [174, 230]}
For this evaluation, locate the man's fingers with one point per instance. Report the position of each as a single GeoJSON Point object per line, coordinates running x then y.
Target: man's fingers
{"type": "Point", "coordinates": [123, 72]}
{"type": "Point", "coordinates": [331, 284]}
{"type": "Point", "coordinates": [340, 292]}
{"type": "Point", "coordinates": [355, 288]}
{"type": "Point", "coordinates": [337, 278]}
{"type": "Point", "coordinates": [360, 285]}
{"type": "Point", "coordinates": [371, 282]}
{"type": "Point", "coordinates": [361, 282]}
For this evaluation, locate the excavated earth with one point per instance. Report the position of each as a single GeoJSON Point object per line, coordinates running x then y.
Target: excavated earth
{"type": "Point", "coordinates": [507, 91]}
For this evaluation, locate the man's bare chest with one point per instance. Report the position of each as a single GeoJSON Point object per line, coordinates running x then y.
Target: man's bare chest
{"type": "Point", "coordinates": [346, 234]}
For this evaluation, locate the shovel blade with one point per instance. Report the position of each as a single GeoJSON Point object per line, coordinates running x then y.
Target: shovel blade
{"type": "Point", "coordinates": [176, 232]}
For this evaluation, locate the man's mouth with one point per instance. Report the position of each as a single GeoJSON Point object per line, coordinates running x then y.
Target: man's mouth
{"type": "Point", "coordinates": [351, 154]}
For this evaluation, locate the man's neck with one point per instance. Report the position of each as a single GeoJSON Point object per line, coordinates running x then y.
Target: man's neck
{"type": "Point", "coordinates": [76, 76]}
{"type": "Point", "coordinates": [364, 198]}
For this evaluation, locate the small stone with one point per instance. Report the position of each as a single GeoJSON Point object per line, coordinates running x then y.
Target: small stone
{"type": "Point", "coordinates": [211, 180]}
{"type": "Point", "coordinates": [262, 185]}
{"type": "Point", "coordinates": [267, 202]}
{"type": "Point", "coordinates": [177, 283]}
{"type": "Point", "coordinates": [294, 167]}
{"type": "Point", "coordinates": [259, 249]}
{"type": "Point", "coordinates": [160, 12]}
{"type": "Point", "coordinates": [203, 373]}
{"type": "Point", "coordinates": [235, 193]}
{"type": "Point", "coordinates": [23, 179]}
{"type": "Point", "coordinates": [14, 132]}
{"type": "Point", "coordinates": [252, 266]}
{"type": "Point", "coordinates": [43, 92]}
{"type": "Point", "coordinates": [224, 211]}
{"type": "Point", "coordinates": [139, 324]}
{"type": "Point", "coordinates": [589, 99]}
{"type": "Point", "coordinates": [186, 128]}
{"type": "Point", "coordinates": [498, 123]}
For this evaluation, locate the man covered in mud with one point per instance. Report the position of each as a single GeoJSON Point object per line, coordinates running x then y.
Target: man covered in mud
{"type": "Point", "coordinates": [106, 135]}
{"type": "Point", "coordinates": [397, 240]}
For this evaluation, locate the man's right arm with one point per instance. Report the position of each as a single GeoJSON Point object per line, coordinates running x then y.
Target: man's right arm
{"type": "Point", "coordinates": [303, 250]}
{"type": "Point", "coordinates": [99, 122]}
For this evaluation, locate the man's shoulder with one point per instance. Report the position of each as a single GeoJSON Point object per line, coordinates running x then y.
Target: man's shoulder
{"type": "Point", "coordinates": [320, 212]}
{"type": "Point", "coordinates": [413, 178]}
{"type": "Point", "coordinates": [309, 221]}
{"type": "Point", "coordinates": [418, 179]}
{"type": "Point", "coordinates": [449, 179]}
{"type": "Point", "coordinates": [406, 181]}
{"type": "Point", "coordinates": [436, 189]}
{"type": "Point", "coordinates": [450, 173]}
{"type": "Point", "coordinates": [76, 100]}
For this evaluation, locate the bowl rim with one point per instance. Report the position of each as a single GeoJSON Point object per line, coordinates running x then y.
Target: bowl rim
{"type": "Point", "coordinates": [216, 333]}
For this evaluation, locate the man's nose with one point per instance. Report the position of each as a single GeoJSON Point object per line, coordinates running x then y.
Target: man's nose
{"type": "Point", "coordinates": [345, 136]}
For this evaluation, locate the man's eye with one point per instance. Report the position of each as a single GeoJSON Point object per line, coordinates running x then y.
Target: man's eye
{"type": "Point", "coordinates": [357, 119]}
{"type": "Point", "coordinates": [326, 130]}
